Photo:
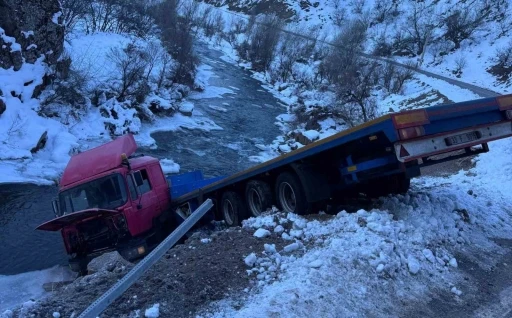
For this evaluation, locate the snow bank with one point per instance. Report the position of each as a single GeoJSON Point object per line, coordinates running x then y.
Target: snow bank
{"type": "Point", "coordinates": [23, 289]}
{"type": "Point", "coordinates": [21, 127]}
{"type": "Point", "coordinates": [403, 250]}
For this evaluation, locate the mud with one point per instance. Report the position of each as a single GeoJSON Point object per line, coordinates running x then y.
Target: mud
{"type": "Point", "coordinates": [183, 282]}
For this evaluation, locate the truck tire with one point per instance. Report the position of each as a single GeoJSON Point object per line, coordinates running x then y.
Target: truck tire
{"type": "Point", "coordinates": [78, 265]}
{"type": "Point", "coordinates": [290, 195]}
{"type": "Point", "coordinates": [232, 208]}
{"type": "Point", "coordinates": [258, 196]}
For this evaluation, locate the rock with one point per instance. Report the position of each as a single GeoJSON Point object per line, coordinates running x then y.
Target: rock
{"type": "Point", "coordinates": [307, 137]}
{"type": "Point", "coordinates": [262, 233]}
{"type": "Point", "coordinates": [41, 143]}
{"type": "Point", "coordinates": [456, 291]}
{"type": "Point", "coordinates": [429, 255]}
{"type": "Point", "coordinates": [250, 260]}
{"type": "Point", "coordinates": [186, 109]}
{"type": "Point", "coordinates": [316, 264]}
{"type": "Point", "coordinates": [3, 107]}
{"type": "Point", "coordinates": [279, 229]}
{"type": "Point", "coordinates": [56, 315]}
{"type": "Point", "coordinates": [270, 248]}
{"type": "Point", "coordinates": [413, 264]}
{"type": "Point", "coordinates": [107, 262]}
{"type": "Point", "coordinates": [33, 28]}
{"type": "Point", "coordinates": [453, 262]}
{"type": "Point", "coordinates": [292, 247]}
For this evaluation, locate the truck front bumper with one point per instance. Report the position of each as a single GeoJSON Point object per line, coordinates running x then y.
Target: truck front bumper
{"type": "Point", "coordinates": [427, 146]}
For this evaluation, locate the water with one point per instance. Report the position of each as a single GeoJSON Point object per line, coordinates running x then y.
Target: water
{"type": "Point", "coordinates": [248, 120]}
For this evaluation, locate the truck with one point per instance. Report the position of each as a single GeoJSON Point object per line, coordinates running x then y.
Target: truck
{"type": "Point", "coordinates": [113, 199]}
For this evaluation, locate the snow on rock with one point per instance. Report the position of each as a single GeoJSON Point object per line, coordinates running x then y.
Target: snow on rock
{"type": "Point", "coordinates": [453, 262]}
{"type": "Point", "coordinates": [413, 264]}
{"type": "Point", "coordinates": [270, 248]}
{"type": "Point", "coordinates": [429, 255]}
{"type": "Point", "coordinates": [56, 315]}
{"type": "Point", "coordinates": [206, 240]}
{"type": "Point", "coordinates": [311, 134]}
{"type": "Point", "coordinates": [316, 263]}
{"type": "Point", "coordinates": [456, 291]}
{"type": "Point", "coordinates": [186, 108]}
{"type": "Point", "coordinates": [169, 166]}
{"type": "Point", "coordinates": [262, 233]}
{"type": "Point", "coordinates": [279, 229]}
{"type": "Point", "coordinates": [250, 259]}
{"type": "Point", "coordinates": [291, 247]}
{"type": "Point", "coordinates": [218, 108]}
{"type": "Point", "coordinates": [267, 221]}
{"type": "Point", "coordinates": [153, 311]}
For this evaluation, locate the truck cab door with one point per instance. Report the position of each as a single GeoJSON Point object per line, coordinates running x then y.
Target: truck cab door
{"type": "Point", "coordinates": [145, 205]}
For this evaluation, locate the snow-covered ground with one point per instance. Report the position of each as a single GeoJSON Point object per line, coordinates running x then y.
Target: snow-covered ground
{"type": "Point", "coordinates": [382, 261]}
{"type": "Point", "coordinates": [21, 126]}
{"type": "Point", "coordinates": [25, 288]}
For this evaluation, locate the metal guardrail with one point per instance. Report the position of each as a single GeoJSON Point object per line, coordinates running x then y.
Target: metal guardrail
{"type": "Point", "coordinates": [100, 304]}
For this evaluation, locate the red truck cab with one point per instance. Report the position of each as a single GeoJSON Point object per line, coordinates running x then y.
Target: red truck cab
{"type": "Point", "coordinates": [109, 200]}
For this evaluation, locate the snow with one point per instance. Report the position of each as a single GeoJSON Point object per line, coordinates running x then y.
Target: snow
{"type": "Point", "coordinates": [218, 108]}
{"type": "Point", "coordinates": [9, 39]}
{"type": "Point", "coordinates": [206, 240]}
{"type": "Point", "coordinates": [404, 247]}
{"type": "Point", "coordinates": [153, 311]}
{"type": "Point", "coordinates": [262, 233]}
{"type": "Point", "coordinates": [56, 315]}
{"type": "Point", "coordinates": [211, 91]}
{"type": "Point", "coordinates": [186, 107]}
{"type": "Point", "coordinates": [27, 34]}
{"type": "Point", "coordinates": [169, 166]}
{"type": "Point", "coordinates": [56, 16]}
{"type": "Point", "coordinates": [311, 134]}
{"type": "Point", "coordinates": [22, 288]}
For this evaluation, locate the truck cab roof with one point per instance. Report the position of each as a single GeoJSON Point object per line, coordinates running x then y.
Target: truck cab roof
{"type": "Point", "coordinates": [98, 160]}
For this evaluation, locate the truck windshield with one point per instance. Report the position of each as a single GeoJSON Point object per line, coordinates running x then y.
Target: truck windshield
{"type": "Point", "coordinates": [104, 193]}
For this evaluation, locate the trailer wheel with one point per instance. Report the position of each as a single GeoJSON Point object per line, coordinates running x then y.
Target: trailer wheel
{"type": "Point", "coordinates": [258, 196]}
{"type": "Point", "coordinates": [290, 194]}
{"type": "Point", "coordinates": [232, 208]}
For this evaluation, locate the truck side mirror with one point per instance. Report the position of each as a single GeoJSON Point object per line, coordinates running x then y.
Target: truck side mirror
{"type": "Point", "coordinates": [138, 178]}
{"type": "Point", "coordinates": [56, 210]}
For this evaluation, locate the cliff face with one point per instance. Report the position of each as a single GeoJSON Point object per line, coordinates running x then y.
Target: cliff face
{"type": "Point", "coordinates": [29, 29]}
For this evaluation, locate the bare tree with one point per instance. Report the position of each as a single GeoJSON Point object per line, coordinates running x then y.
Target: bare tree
{"type": "Point", "coordinates": [73, 11]}
{"type": "Point", "coordinates": [263, 41]}
{"type": "Point", "coordinates": [403, 75]}
{"type": "Point", "coordinates": [131, 66]}
{"type": "Point", "coordinates": [342, 57]}
{"type": "Point", "coordinates": [357, 88]}
{"type": "Point", "coordinates": [502, 60]}
{"type": "Point", "coordinates": [419, 28]}
{"type": "Point", "coordinates": [462, 23]}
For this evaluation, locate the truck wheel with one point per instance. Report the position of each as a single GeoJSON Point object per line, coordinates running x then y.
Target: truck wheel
{"type": "Point", "coordinates": [78, 265]}
{"type": "Point", "coordinates": [232, 208]}
{"type": "Point", "coordinates": [258, 196]}
{"type": "Point", "coordinates": [290, 194]}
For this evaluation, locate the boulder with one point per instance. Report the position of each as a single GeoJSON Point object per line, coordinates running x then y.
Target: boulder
{"type": "Point", "coordinates": [186, 108]}
{"type": "Point", "coordinates": [29, 29]}
{"type": "Point", "coordinates": [108, 262]}
{"type": "Point", "coordinates": [41, 143]}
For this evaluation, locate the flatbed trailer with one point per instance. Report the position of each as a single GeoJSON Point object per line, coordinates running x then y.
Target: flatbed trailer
{"type": "Point", "coordinates": [110, 199]}
{"type": "Point", "coordinates": [377, 157]}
